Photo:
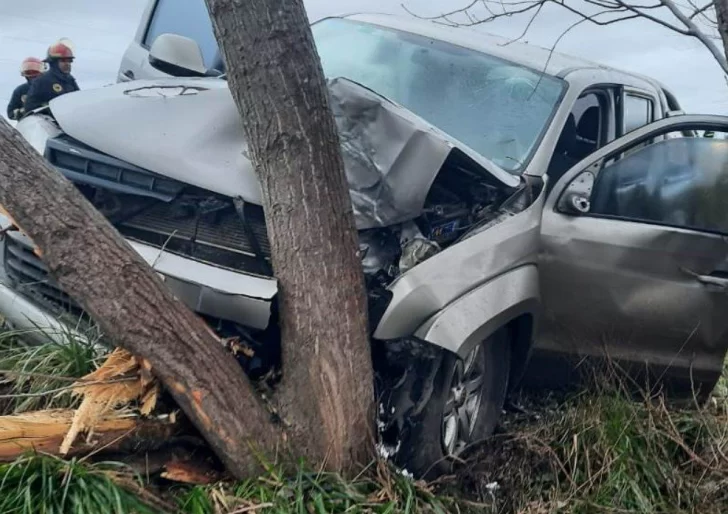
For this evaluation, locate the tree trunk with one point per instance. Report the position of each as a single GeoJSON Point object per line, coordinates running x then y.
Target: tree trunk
{"type": "Point", "coordinates": [95, 265]}
{"type": "Point", "coordinates": [276, 79]}
{"type": "Point", "coordinates": [721, 12]}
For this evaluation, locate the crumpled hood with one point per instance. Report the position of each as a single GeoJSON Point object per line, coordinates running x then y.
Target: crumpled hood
{"type": "Point", "coordinates": [189, 130]}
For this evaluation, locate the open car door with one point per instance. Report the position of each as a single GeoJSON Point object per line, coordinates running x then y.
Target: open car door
{"type": "Point", "coordinates": [634, 264]}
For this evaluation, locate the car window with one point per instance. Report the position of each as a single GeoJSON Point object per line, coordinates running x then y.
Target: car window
{"type": "Point", "coordinates": [590, 114]}
{"type": "Point", "coordinates": [187, 18]}
{"type": "Point", "coordinates": [637, 112]}
{"type": "Point", "coordinates": [584, 132]}
{"type": "Point", "coordinates": [680, 182]}
{"type": "Point", "coordinates": [495, 107]}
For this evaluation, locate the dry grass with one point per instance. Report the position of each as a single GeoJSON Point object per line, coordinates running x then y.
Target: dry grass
{"type": "Point", "coordinates": [605, 451]}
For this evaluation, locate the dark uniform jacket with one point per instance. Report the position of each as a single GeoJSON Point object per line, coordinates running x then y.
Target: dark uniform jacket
{"type": "Point", "coordinates": [45, 88]}
{"type": "Point", "coordinates": [15, 107]}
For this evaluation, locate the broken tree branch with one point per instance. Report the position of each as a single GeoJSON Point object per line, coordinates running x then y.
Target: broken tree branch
{"type": "Point", "coordinates": [97, 267]}
{"type": "Point", "coordinates": [43, 431]}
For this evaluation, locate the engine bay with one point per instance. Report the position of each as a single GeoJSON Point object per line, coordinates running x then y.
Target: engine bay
{"type": "Point", "coordinates": [230, 233]}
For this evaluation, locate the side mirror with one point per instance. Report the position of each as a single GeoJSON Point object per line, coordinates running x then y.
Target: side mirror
{"type": "Point", "coordinates": [177, 55]}
{"type": "Point", "coordinates": [575, 199]}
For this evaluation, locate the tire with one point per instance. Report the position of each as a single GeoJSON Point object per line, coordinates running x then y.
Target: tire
{"type": "Point", "coordinates": [428, 448]}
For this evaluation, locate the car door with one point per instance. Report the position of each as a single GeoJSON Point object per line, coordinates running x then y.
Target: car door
{"type": "Point", "coordinates": [634, 260]}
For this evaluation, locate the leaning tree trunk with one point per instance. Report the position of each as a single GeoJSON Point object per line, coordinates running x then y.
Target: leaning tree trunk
{"type": "Point", "coordinates": [95, 265]}
{"type": "Point", "coordinates": [276, 80]}
{"type": "Point", "coordinates": [721, 11]}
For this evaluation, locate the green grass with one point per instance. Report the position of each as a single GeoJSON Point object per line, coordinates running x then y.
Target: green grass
{"type": "Point", "coordinates": [48, 485]}
{"type": "Point", "coordinates": [380, 491]}
{"type": "Point", "coordinates": [37, 484]}
{"type": "Point", "coordinates": [31, 372]}
{"type": "Point", "coordinates": [601, 450]}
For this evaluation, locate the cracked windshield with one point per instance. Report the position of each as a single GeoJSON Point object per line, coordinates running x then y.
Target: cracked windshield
{"type": "Point", "coordinates": [498, 109]}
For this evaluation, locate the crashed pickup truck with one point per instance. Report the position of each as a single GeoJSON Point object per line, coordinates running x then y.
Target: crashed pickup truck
{"type": "Point", "coordinates": [510, 204]}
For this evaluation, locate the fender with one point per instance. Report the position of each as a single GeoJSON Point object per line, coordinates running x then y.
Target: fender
{"type": "Point", "coordinates": [440, 283]}
{"type": "Point", "coordinates": [476, 316]}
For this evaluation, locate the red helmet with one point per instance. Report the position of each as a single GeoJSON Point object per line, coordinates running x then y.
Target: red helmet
{"type": "Point", "coordinates": [59, 51]}
{"type": "Point", "coordinates": [31, 67]}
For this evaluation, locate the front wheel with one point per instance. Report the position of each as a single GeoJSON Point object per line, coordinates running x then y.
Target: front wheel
{"type": "Point", "coordinates": [464, 408]}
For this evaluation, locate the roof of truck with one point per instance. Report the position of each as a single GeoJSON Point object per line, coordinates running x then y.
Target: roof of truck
{"type": "Point", "coordinates": [532, 56]}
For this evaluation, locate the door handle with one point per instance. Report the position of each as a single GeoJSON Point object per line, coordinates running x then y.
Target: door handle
{"type": "Point", "coordinates": [716, 279]}
{"type": "Point", "coordinates": [712, 280]}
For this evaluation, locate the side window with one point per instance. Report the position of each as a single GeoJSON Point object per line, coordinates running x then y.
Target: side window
{"type": "Point", "coordinates": [637, 111]}
{"type": "Point", "coordinates": [680, 182]}
{"type": "Point", "coordinates": [590, 115]}
{"type": "Point", "coordinates": [586, 130]}
{"type": "Point", "coordinates": [187, 18]}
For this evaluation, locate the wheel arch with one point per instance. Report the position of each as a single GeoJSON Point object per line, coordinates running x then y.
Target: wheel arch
{"type": "Point", "coordinates": [521, 334]}
{"type": "Point", "coordinates": [509, 302]}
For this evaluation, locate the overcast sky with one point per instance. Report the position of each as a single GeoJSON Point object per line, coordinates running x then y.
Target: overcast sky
{"type": "Point", "coordinates": [102, 29]}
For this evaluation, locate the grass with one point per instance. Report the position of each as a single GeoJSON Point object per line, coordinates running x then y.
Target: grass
{"type": "Point", "coordinates": [380, 490]}
{"type": "Point", "coordinates": [602, 451]}
{"type": "Point", "coordinates": [31, 372]}
{"type": "Point", "coordinates": [587, 453]}
{"type": "Point", "coordinates": [48, 485]}
{"type": "Point", "coordinates": [43, 484]}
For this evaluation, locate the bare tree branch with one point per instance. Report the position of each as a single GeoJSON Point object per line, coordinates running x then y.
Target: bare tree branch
{"type": "Point", "coordinates": [700, 10]}
{"type": "Point", "coordinates": [694, 31]}
{"type": "Point", "coordinates": [611, 12]}
{"type": "Point", "coordinates": [528, 25]}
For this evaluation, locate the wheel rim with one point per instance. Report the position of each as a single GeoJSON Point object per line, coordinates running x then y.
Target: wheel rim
{"type": "Point", "coordinates": [460, 415]}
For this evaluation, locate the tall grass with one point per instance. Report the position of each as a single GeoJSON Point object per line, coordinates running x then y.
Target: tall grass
{"type": "Point", "coordinates": [29, 373]}
{"type": "Point", "coordinates": [604, 451]}
{"type": "Point", "coordinates": [48, 485]}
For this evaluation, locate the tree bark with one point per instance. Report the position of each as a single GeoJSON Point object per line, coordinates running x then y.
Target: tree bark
{"type": "Point", "coordinates": [276, 79]}
{"type": "Point", "coordinates": [96, 266]}
{"type": "Point", "coordinates": [721, 12]}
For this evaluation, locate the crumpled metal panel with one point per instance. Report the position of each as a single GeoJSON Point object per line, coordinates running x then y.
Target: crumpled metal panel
{"type": "Point", "coordinates": [391, 156]}
{"type": "Point", "coordinates": [513, 241]}
{"type": "Point", "coordinates": [189, 130]}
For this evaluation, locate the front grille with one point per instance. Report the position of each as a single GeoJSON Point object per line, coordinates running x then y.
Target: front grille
{"type": "Point", "coordinates": [224, 230]}
{"type": "Point", "coordinates": [30, 276]}
{"type": "Point", "coordinates": [84, 165]}
{"type": "Point", "coordinates": [173, 220]}
{"type": "Point", "coordinates": [219, 239]}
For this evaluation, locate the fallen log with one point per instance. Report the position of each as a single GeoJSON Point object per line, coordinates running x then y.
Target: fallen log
{"type": "Point", "coordinates": [44, 431]}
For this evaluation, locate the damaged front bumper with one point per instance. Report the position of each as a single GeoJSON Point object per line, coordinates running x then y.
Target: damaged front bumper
{"type": "Point", "coordinates": [31, 301]}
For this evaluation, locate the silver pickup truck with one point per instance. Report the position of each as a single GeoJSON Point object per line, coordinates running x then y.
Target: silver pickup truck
{"type": "Point", "coordinates": [511, 204]}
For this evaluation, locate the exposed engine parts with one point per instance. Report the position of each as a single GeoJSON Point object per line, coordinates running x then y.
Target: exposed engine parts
{"type": "Point", "coordinates": [461, 203]}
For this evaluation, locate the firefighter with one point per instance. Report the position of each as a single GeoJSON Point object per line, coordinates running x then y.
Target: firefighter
{"type": "Point", "coordinates": [56, 81]}
{"type": "Point", "coordinates": [30, 68]}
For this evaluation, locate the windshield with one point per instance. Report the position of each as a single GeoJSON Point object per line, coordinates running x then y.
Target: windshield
{"type": "Point", "coordinates": [498, 109]}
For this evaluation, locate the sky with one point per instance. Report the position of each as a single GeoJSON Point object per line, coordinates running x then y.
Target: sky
{"type": "Point", "coordinates": [102, 29]}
